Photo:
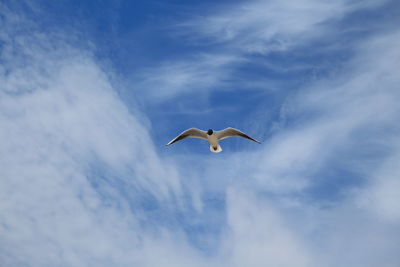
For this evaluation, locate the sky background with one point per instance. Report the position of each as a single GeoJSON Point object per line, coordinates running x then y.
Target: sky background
{"type": "Point", "coordinates": [90, 91]}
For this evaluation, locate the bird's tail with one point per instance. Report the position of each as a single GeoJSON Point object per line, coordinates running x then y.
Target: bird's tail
{"type": "Point", "coordinates": [217, 150]}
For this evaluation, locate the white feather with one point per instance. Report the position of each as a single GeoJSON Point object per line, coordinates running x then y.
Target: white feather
{"type": "Point", "coordinates": [219, 149]}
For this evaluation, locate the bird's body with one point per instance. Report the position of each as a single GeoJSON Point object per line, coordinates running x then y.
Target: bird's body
{"type": "Point", "coordinates": [214, 143]}
{"type": "Point", "coordinates": [213, 137]}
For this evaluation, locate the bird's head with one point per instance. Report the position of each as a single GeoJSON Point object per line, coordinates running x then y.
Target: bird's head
{"type": "Point", "coordinates": [210, 132]}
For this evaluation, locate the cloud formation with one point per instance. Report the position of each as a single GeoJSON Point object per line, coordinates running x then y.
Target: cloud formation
{"type": "Point", "coordinates": [83, 184]}
{"type": "Point", "coordinates": [241, 34]}
{"type": "Point", "coordinates": [74, 161]}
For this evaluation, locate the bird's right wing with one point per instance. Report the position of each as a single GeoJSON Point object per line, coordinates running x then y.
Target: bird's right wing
{"type": "Point", "coordinates": [192, 132]}
{"type": "Point", "coordinates": [229, 132]}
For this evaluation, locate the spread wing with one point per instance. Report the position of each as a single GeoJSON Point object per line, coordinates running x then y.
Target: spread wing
{"type": "Point", "coordinates": [229, 132]}
{"type": "Point", "coordinates": [192, 132]}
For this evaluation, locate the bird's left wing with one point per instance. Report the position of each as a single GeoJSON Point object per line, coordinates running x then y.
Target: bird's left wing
{"type": "Point", "coordinates": [192, 132]}
{"type": "Point", "coordinates": [229, 132]}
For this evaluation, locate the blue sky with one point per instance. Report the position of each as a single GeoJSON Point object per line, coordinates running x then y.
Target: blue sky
{"type": "Point", "coordinates": [91, 91]}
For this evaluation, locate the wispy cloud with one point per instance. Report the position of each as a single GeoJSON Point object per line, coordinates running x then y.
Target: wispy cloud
{"type": "Point", "coordinates": [235, 35]}
{"type": "Point", "coordinates": [195, 75]}
{"type": "Point", "coordinates": [268, 25]}
{"type": "Point", "coordinates": [74, 161]}
{"type": "Point", "coordinates": [265, 26]}
{"type": "Point", "coordinates": [326, 176]}
{"type": "Point", "coordinates": [82, 183]}
{"type": "Point", "coordinates": [340, 124]}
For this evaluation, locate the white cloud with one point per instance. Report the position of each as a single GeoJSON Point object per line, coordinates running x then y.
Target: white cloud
{"type": "Point", "coordinates": [363, 99]}
{"type": "Point", "coordinates": [62, 122]}
{"type": "Point", "coordinates": [59, 116]}
{"type": "Point", "coordinates": [349, 122]}
{"type": "Point", "coordinates": [235, 33]}
{"type": "Point", "coordinates": [195, 75]}
{"type": "Point", "coordinates": [264, 26]}
{"type": "Point", "coordinates": [382, 195]}
{"type": "Point", "coordinates": [258, 236]}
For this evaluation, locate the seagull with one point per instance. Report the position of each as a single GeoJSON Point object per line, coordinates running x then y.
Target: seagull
{"type": "Point", "coordinates": [213, 137]}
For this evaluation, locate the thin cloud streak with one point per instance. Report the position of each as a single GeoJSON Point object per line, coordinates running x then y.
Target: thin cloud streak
{"type": "Point", "coordinates": [197, 75]}
{"type": "Point", "coordinates": [267, 26]}
{"type": "Point", "coordinates": [257, 28]}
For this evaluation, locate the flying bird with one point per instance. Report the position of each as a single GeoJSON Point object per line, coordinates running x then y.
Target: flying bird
{"type": "Point", "coordinates": [213, 137]}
